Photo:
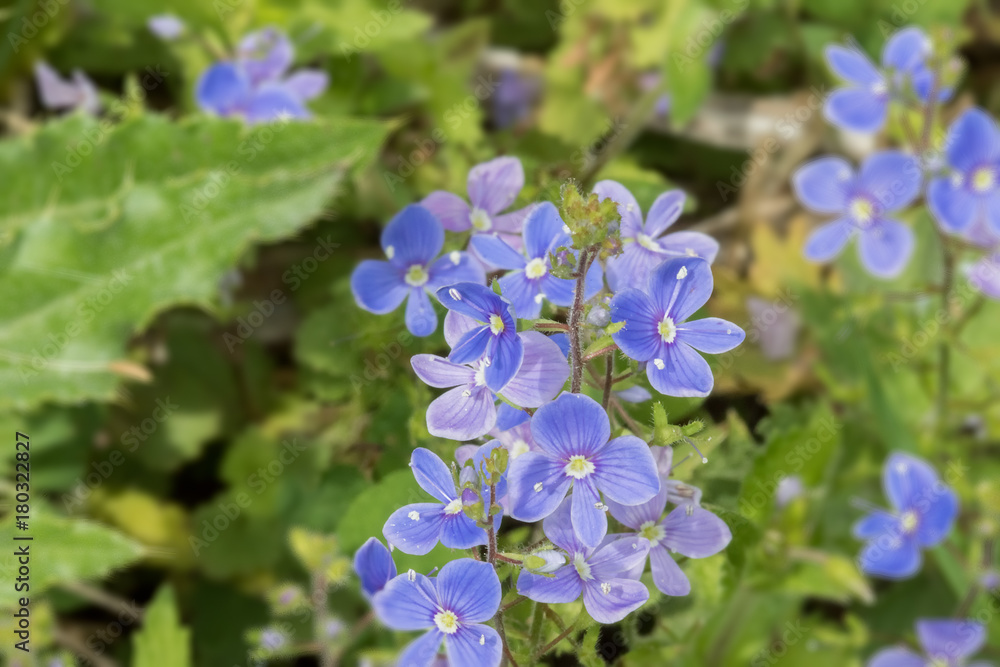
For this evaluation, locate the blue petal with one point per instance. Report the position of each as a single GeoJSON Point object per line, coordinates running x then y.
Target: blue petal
{"type": "Point", "coordinates": [622, 597]}
{"type": "Point", "coordinates": [668, 577]}
{"type": "Point", "coordinates": [558, 527]}
{"type": "Point", "coordinates": [664, 212]}
{"type": "Point", "coordinates": [711, 335]}
{"type": "Point", "coordinates": [634, 516]}
{"type": "Point", "coordinates": [441, 373]}
{"type": "Point", "coordinates": [496, 252]}
{"type": "Point", "coordinates": [564, 586]}
{"type": "Point", "coordinates": [374, 565]}
{"type": "Point", "coordinates": [937, 516]}
{"type": "Point", "coordinates": [457, 325]}
{"type": "Point", "coordinates": [504, 359]}
{"type": "Point", "coordinates": [432, 474]}
{"type": "Point", "coordinates": [472, 300]}
{"type": "Point", "coordinates": [892, 557]}
{"type": "Point", "coordinates": [471, 346]}
{"type": "Point", "coordinates": [378, 287]}
{"type": "Point", "coordinates": [473, 645]}
{"type": "Point", "coordinates": [680, 286]}
{"type": "Point", "coordinates": [885, 248]}
{"type": "Point", "coordinates": [827, 241]}
{"type": "Point", "coordinates": [951, 638]}
{"type": "Point", "coordinates": [594, 282]}
{"type": "Point", "coordinates": [973, 140]}
{"type": "Point", "coordinates": [457, 416]}
{"type": "Point", "coordinates": [528, 471]}
{"type": "Point", "coordinates": [449, 208]}
{"type": "Point", "coordinates": [521, 292]}
{"type": "Point", "coordinates": [892, 178]}
{"type": "Point", "coordinates": [822, 185]}
{"type": "Point", "coordinates": [571, 425]}
{"type": "Point", "coordinates": [470, 589]}
{"type": "Point", "coordinates": [561, 291]}
{"type": "Point", "coordinates": [985, 276]}
{"type": "Point", "coordinates": [274, 102]}
{"type": "Point", "coordinates": [414, 536]}
{"type": "Point", "coordinates": [684, 372]}
{"type": "Point", "coordinates": [455, 267]}
{"type": "Point", "coordinates": [421, 319]}
{"type": "Point", "coordinates": [695, 532]}
{"type": "Point", "coordinates": [639, 339]}
{"type": "Point", "coordinates": [306, 84]}
{"type": "Point", "coordinates": [589, 521]}
{"type": "Point", "coordinates": [856, 109]}
{"type": "Point", "coordinates": [951, 206]}
{"type": "Point", "coordinates": [460, 532]}
{"type": "Point", "coordinates": [896, 657]}
{"type": "Point", "coordinates": [266, 54]}
{"type": "Point", "coordinates": [852, 65]}
{"type": "Point", "coordinates": [223, 89]}
{"type": "Point", "coordinates": [618, 556]}
{"type": "Point", "coordinates": [875, 525]}
{"type": "Point", "coordinates": [626, 472]}
{"type": "Point", "coordinates": [634, 394]}
{"type": "Point", "coordinates": [628, 207]}
{"type": "Point", "coordinates": [542, 374]}
{"type": "Point", "coordinates": [906, 49]}
{"type": "Point", "coordinates": [422, 651]}
{"type": "Point", "coordinates": [405, 604]}
{"type": "Point", "coordinates": [508, 417]}
{"type": "Point", "coordinates": [690, 243]}
{"type": "Point", "coordinates": [413, 236]}
{"type": "Point", "coordinates": [542, 229]}
{"type": "Point", "coordinates": [494, 185]}
{"type": "Point", "coordinates": [562, 340]}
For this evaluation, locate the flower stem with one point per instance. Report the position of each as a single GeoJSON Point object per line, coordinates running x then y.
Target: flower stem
{"type": "Point", "coordinates": [552, 644]}
{"type": "Point", "coordinates": [609, 378]}
{"type": "Point", "coordinates": [575, 315]}
{"type": "Point", "coordinates": [492, 556]}
{"type": "Point", "coordinates": [944, 345]}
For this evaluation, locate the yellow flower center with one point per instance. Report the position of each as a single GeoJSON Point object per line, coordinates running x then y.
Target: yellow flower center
{"type": "Point", "coordinates": [578, 467]}
{"type": "Point", "coordinates": [535, 268]}
{"type": "Point", "coordinates": [653, 532]}
{"type": "Point", "coordinates": [446, 622]}
{"type": "Point", "coordinates": [908, 521]}
{"type": "Point", "coordinates": [454, 507]}
{"type": "Point", "coordinates": [667, 329]}
{"type": "Point", "coordinates": [984, 180]}
{"type": "Point", "coordinates": [416, 276]}
{"type": "Point", "coordinates": [481, 220]}
{"type": "Point", "coordinates": [496, 324]}
{"type": "Point", "coordinates": [862, 210]}
{"type": "Point", "coordinates": [647, 242]}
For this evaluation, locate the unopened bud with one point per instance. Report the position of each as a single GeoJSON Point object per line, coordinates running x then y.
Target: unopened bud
{"type": "Point", "coordinates": [599, 317]}
{"type": "Point", "coordinates": [545, 561]}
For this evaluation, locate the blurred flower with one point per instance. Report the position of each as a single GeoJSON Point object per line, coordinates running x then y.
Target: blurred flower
{"type": "Point", "coordinates": [650, 80]}
{"type": "Point", "coordinates": [515, 96]}
{"type": "Point", "coordinates": [452, 607]}
{"type": "Point", "coordinates": [985, 275]}
{"type": "Point", "coordinates": [990, 580]}
{"type": "Point", "coordinates": [969, 197]}
{"type": "Point", "coordinates": [777, 327]}
{"type": "Point", "coordinates": [334, 628]}
{"type": "Point", "coordinates": [576, 451]}
{"type": "Point", "coordinates": [634, 394]}
{"type": "Point", "coordinates": [946, 643]}
{"type": "Point", "coordinates": [58, 93]}
{"type": "Point", "coordinates": [255, 86]}
{"type": "Point", "coordinates": [887, 182]}
{"type": "Point", "coordinates": [789, 488]}
{"type": "Point", "coordinates": [601, 574]}
{"type": "Point", "coordinates": [166, 26]}
{"type": "Point", "coordinates": [656, 328]}
{"type": "Point", "coordinates": [374, 566]}
{"type": "Point", "coordinates": [411, 241]}
{"type": "Point", "coordinates": [273, 639]}
{"type": "Point", "coordinates": [645, 245]}
{"type": "Point", "coordinates": [530, 280]}
{"type": "Point", "coordinates": [925, 510]}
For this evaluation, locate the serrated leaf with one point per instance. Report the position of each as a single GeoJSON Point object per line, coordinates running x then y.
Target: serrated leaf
{"type": "Point", "coordinates": [162, 641]}
{"type": "Point", "coordinates": [114, 225]}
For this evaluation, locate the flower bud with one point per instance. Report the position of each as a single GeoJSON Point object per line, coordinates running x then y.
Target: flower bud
{"type": "Point", "coordinates": [468, 476]}
{"type": "Point", "coordinates": [545, 561]}
{"type": "Point", "coordinates": [599, 317]}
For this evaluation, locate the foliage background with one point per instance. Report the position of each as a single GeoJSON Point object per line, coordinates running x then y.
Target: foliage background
{"type": "Point", "coordinates": [232, 318]}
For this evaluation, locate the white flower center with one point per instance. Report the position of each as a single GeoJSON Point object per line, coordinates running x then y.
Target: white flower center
{"type": "Point", "coordinates": [446, 622]}
{"type": "Point", "coordinates": [455, 257]}
{"type": "Point", "coordinates": [667, 329]}
{"type": "Point", "coordinates": [480, 377]}
{"type": "Point", "coordinates": [454, 507]}
{"type": "Point", "coordinates": [535, 268]}
{"type": "Point", "coordinates": [416, 276]}
{"type": "Point", "coordinates": [647, 242]}
{"type": "Point", "coordinates": [578, 467]}
{"type": "Point", "coordinates": [582, 567]}
{"type": "Point", "coordinates": [984, 180]}
{"type": "Point", "coordinates": [518, 447]}
{"type": "Point", "coordinates": [879, 88]}
{"type": "Point", "coordinates": [653, 532]}
{"type": "Point", "coordinates": [481, 220]}
{"type": "Point", "coordinates": [496, 324]}
{"type": "Point", "coordinates": [862, 210]}
{"type": "Point", "coordinates": [909, 521]}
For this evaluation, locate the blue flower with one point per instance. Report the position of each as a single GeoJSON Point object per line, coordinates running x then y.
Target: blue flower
{"type": "Point", "coordinates": [254, 85]}
{"type": "Point", "coordinates": [924, 510]}
{"type": "Point", "coordinates": [572, 434]}
{"type": "Point", "coordinates": [374, 566]}
{"type": "Point", "coordinates": [970, 194]}
{"type": "Point", "coordinates": [887, 182]}
{"type": "Point", "coordinates": [166, 26]}
{"type": "Point", "coordinates": [515, 95]}
{"type": "Point", "coordinates": [58, 93]}
{"type": "Point", "coordinates": [452, 607]}
{"type": "Point", "coordinates": [657, 331]}
{"type": "Point", "coordinates": [645, 245]}
{"type": "Point", "coordinates": [411, 241]}
{"type": "Point", "coordinates": [864, 104]}
{"type": "Point", "coordinates": [494, 339]}
{"type": "Point", "coordinates": [530, 279]}
{"type": "Point", "coordinates": [603, 575]}
{"type": "Point", "coordinates": [945, 642]}
{"type": "Point", "coordinates": [416, 528]}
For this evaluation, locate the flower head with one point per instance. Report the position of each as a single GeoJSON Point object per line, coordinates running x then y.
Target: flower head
{"type": "Point", "coordinates": [452, 607]}
{"type": "Point", "coordinates": [530, 280]}
{"type": "Point", "coordinates": [572, 434]}
{"type": "Point", "coordinates": [166, 26]}
{"type": "Point", "coordinates": [374, 566]}
{"type": "Point", "coordinates": [924, 510]}
{"type": "Point", "coordinates": [969, 196]}
{"type": "Point", "coordinates": [411, 242]}
{"type": "Point", "coordinates": [416, 528]}
{"type": "Point", "coordinates": [887, 182]}
{"type": "Point", "coordinates": [600, 574]}
{"type": "Point", "coordinates": [945, 643]}
{"type": "Point", "coordinates": [58, 93]}
{"type": "Point", "coordinates": [646, 246]}
{"type": "Point", "coordinates": [493, 339]}
{"type": "Point", "coordinates": [657, 331]}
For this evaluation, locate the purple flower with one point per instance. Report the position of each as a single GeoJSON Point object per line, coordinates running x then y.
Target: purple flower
{"type": "Point", "coordinates": [493, 186]}
{"type": "Point", "coordinates": [416, 528]}
{"type": "Point", "coordinates": [58, 93]}
{"type": "Point", "coordinates": [254, 85]}
{"type": "Point", "coordinates": [374, 566]}
{"type": "Point", "coordinates": [688, 529]}
{"type": "Point", "coordinates": [970, 194]}
{"type": "Point", "coordinates": [530, 279]}
{"type": "Point", "coordinates": [946, 643]}
{"type": "Point", "coordinates": [515, 95]}
{"type": "Point", "coordinates": [650, 80]}
{"type": "Point", "coordinates": [166, 26]}
{"type": "Point", "coordinates": [864, 104]}
{"type": "Point", "coordinates": [494, 339]}
{"type": "Point", "coordinates": [887, 182]}
{"type": "Point", "coordinates": [517, 439]}
{"type": "Point", "coordinates": [411, 241]}
{"type": "Point", "coordinates": [924, 511]}
{"type": "Point", "coordinates": [572, 435]}
{"type": "Point", "coordinates": [657, 331]}
{"type": "Point", "coordinates": [645, 244]}
{"type": "Point", "coordinates": [469, 410]}
{"type": "Point", "coordinates": [600, 574]}
{"type": "Point", "coordinates": [452, 607]}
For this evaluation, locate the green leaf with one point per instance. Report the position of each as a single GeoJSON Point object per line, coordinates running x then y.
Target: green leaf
{"type": "Point", "coordinates": [599, 346]}
{"type": "Point", "coordinates": [107, 226]}
{"type": "Point", "coordinates": [162, 641]}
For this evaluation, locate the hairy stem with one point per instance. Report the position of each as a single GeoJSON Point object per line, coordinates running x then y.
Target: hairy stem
{"type": "Point", "coordinates": [575, 315]}
{"type": "Point", "coordinates": [492, 556]}
{"type": "Point", "coordinates": [609, 378]}
{"type": "Point", "coordinates": [552, 644]}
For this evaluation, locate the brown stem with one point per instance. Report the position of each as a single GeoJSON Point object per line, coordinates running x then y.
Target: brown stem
{"type": "Point", "coordinates": [492, 556]}
{"type": "Point", "coordinates": [575, 314]}
{"type": "Point", "coordinates": [552, 644]}
{"type": "Point", "coordinates": [609, 374]}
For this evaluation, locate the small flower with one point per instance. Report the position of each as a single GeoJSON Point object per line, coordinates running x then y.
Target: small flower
{"type": "Point", "coordinates": [984, 275]}
{"type": "Point", "coordinates": [777, 326]}
{"type": "Point", "coordinates": [887, 182]}
{"type": "Point", "coordinates": [493, 186]}
{"type": "Point", "coordinates": [864, 104]}
{"type": "Point", "coordinates": [469, 410]}
{"type": "Point", "coordinates": [657, 331]}
{"type": "Point", "coordinates": [688, 530]}
{"type": "Point", "coordinates": [634, 394]}
{"type": "Point", "coordinates": [411, 241]}
{"type": "Point", "coordinates": [515, 96]}
{"type": "Point", "coordinates": [167, 27]}
{"type": "Point", "coordinates": [273, 639]}
{"type": "Point", "coordinates": [58, 93]}
{"type": "Point", "coordinates": [945, 642]}
{"type": "Point", "coordinates": [925, 510]}
{"type": "Point", "coordinates": [416, 528]}
{"type": "Point", "coordinates": [452, 607]}
{"type": "Point", "coordinates": [254, 85]}
{"type": "Point", "coordinates": [572, 434]}
{"type": "Point", "coordinates": [969, 196]}
{"type": "Point", "coordinates": [374, 566]}
{"type": "Point", "coordinates": [530, 279]}
{"type": "Point", "coordinates": [645, 243]}
{"type": "Point", "coordinates": [493, 340]}
{"type": "Point", "coordinates": [600, 575]}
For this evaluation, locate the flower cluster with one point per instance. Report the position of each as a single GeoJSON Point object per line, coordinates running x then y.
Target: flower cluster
{"type": "Point", "coordinates": [958, 178]}
{"type": "Point", "coordinates": [540, 453]}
